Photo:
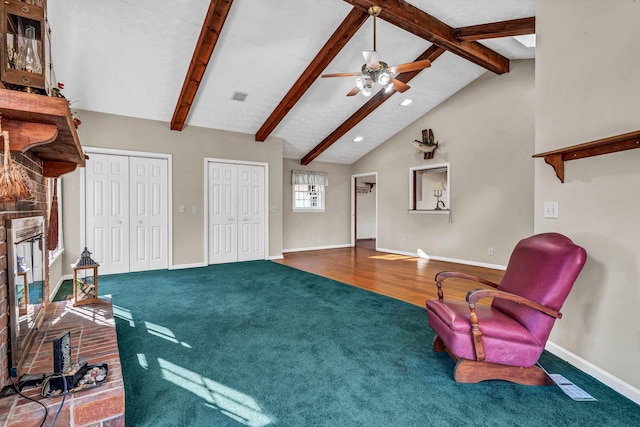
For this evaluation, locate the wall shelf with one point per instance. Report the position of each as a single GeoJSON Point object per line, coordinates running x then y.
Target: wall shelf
{"type": "Point", "coordinates": [44, 126]}
{"type": "Point", "coordinates": [612, 144]}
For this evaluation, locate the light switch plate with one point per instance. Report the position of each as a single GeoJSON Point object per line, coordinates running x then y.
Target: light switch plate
{"type": "Point", "coordinates": [551, 209]}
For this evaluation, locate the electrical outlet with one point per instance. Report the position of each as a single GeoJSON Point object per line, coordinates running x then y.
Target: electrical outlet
{"type": "Point", "coordinates": [551, 209]}
{"type": "Point", "coordinates": [490, 251]}
{"type": "Point", "coordinates": [183, 208]}
{"type": "Point", "coordinates": [194, 210]}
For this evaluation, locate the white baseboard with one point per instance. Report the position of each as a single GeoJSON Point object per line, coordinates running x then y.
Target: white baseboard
{"type": "Point", "coordinates": [440, 258]}
{"type": "Point", "coordinates": [466, 262]}
{"type": "Point", "coordinates": [183, 266]}
{"type": "Point", "coordinates": [316, 248]}
{"type": "Point", "coordinates": [622, 387]}
{"type": "Point", "coordinates": [271, 258]}
{"type": "Point", "coordinates": [393, 251]}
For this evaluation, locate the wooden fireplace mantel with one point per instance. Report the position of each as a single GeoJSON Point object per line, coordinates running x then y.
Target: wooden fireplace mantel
{"type": "Point", "coordinates": [44, 126]}
{"type": "Point", "coordinates": [612, 144]}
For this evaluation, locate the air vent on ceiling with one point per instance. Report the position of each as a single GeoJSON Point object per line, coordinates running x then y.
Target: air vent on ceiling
{"type": "Point", "coordinates": [239, 96]}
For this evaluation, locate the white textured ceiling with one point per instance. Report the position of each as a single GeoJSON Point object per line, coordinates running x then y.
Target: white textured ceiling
{"type": "Point", "coordinates": [130, 57]}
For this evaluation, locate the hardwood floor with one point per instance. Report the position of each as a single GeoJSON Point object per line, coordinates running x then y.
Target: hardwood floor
{"type": "Point", "coordinates": [402, 277]}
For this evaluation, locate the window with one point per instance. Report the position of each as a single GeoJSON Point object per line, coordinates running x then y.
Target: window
{"type": "Point", "coordinates": [57, 184]}
{"type": "Point", "coordinates": [308, 190]}
{"type": "Point", "coordinates": [429, 189]}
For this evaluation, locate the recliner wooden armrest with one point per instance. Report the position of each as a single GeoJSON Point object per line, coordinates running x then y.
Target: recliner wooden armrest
{"type": "Point", "coordinates": [475, 295]}
{"type": "Point", "coordinates": [444, 275]}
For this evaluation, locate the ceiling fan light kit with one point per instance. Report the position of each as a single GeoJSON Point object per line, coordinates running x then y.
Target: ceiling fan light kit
{"type": "Point", "coordinates": [375, 72]}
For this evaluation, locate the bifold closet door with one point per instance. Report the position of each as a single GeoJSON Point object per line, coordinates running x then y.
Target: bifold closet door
{"type": "Point", "coordinates": [223, 212]}
{"type": "Point", "coordinates": [251, 216]}
{"type": "Point", "coordinates": [126, 212]}
{"type": "Point", "coordinates": [148, 214]}
{"type": "Point", "coordinates": [236, 212]}
{"type": "Point", "coordinates": [107, 211]}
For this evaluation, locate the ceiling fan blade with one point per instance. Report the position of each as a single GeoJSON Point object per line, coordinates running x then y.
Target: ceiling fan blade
{"type": "Point", "coordinates": [399, 86]}
{"type": "Point", "coordinates": [371, 58]}
{"type": "Point", "coordinates": [341, 75]}
{"type": "Point", "coordinates": [353, 91]}
{"type": "Point", "coordinates": [411, 66]}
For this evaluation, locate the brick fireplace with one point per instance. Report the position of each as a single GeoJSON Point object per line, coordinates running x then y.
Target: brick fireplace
{"type": "Point", "coordinates": [11, 210]}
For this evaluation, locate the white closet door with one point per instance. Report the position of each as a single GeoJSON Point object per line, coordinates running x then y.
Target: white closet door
{"type": "Point", "coordinates": [251, 215]}
{"type": "Point", "coordinates": [148, 219]}
{"type": "Point", "coordinates": [223, 229]}
{"type": "Point", "coordinates": [107, 211]}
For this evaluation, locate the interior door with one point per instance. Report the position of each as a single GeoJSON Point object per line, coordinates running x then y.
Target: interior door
{"type": "Point", "coordinates": [251, 215]}
{"type": "Point", "coordinates": [107, 211]}
{"type": "Point", "coordinates": [223, 212]}
{"type": "Point", "coordinates": [148, 219]}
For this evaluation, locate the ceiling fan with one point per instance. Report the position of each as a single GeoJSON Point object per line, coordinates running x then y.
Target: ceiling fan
{"type": "Point", "coordinates": [375, 71]}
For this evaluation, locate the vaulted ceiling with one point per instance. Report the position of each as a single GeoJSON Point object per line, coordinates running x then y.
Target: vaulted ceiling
{"type": "Point", "coordinates": [181, 61]}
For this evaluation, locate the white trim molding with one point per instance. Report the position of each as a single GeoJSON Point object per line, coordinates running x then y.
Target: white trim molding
{"type": "Point", "coordinates": [316, 248]}
{"type": "Point", "coordinates": [441, 258]}
{"type": "Point", "coordinates": [185, 266]}
{"type": "Point", "coordinates": [611, 381]}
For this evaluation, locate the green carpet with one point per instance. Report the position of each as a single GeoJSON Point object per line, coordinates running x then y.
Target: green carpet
{"type": "Point", "coordinates": [65, 291]}
{"type": "Point", "coordinates": [262, 344]}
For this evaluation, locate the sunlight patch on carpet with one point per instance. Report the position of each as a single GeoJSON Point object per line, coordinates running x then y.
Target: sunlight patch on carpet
{"type": "Point", "coordinates": [124, 314]}
{"type": "Point", "coordinates": [164, 333]}
{"type": "Point", "coordinates": [142, 360]}
{"type": "Point", "coordinates": [228, 401]}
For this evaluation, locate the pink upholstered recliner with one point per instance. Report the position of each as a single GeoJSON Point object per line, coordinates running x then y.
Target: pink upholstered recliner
{"type": "Point", "coordinates": [505, 339]}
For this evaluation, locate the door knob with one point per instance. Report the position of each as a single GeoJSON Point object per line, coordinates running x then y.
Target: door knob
{"type": "Point", "coordinates": [245, 219]}
{"type": "Point", "coordinates": [119, 222]}
{"type": "Point", "coordinates": [230, 219]}
{"type": "Point", "coordinates": [140, 221]}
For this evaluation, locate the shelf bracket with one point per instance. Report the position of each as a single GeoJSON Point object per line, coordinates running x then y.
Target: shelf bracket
{"type": "Point", "coordinates": [26, 135]}
{"type": "Point", "coordinates": [556, 162]}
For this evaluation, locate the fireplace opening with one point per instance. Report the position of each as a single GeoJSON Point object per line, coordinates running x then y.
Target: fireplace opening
{"type": "Point", "coordinates": [26, 266]}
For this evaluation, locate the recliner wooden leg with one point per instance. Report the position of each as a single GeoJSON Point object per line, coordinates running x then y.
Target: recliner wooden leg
{"type": "Point", "coordinates": [438, 345]}
{"type": "Point", "coordinates": [470, 371]}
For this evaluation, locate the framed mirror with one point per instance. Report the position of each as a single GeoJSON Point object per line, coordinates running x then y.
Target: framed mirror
{"type": "Point", "coordinates": [26, 252]}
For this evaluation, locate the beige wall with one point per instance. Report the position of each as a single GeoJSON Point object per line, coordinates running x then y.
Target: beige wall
{"type": "Point", "coordinates": [188, 148]}
{"type": "Point", "coordinates": [486, 133]}
{"type": "Point", "coordinates": [318, 229]}
{"type": "Point", "coordinates": [587, 86]}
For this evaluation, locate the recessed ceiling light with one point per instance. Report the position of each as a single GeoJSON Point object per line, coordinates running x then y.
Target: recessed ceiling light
{"type": "Point", "coordinates": [358, 139]}
{"type": "Point", "coordinates": [239, 96]}
{"type": "Point", "coordinates": [406, 102]}
{"type": "Point", "coordinates": [528, 40]}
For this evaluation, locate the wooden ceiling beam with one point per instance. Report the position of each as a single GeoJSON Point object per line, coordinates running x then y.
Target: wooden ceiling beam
{"type": "Point", "coordinates": [414, 20]}
{"type": "Point", "coordinates": [211, 28]}
{"type": "Point", "coordinates": [494, 30]}
{"type": "Point", "coordinates": [376, 100]}
{"type": "Point", "coordinates": [345, 31]}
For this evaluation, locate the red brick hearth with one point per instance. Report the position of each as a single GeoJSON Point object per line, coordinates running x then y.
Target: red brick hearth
{"type": "Point", "coordinates": [93, 337]}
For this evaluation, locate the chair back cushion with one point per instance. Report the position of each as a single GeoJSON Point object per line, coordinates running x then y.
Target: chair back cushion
{"type": "Point", "coordinates": [543, 269]}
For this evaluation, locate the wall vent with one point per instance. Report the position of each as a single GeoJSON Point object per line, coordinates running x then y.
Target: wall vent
{"type": "Point", "coordinates": [239, 96]}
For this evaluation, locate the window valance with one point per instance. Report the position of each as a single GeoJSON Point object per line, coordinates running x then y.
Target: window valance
{"type": "Point", "coordinates": [309, 178]}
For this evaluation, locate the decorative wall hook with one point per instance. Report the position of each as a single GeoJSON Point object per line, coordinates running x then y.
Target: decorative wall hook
{"type": "Point", "coordinates": [427, 146]}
